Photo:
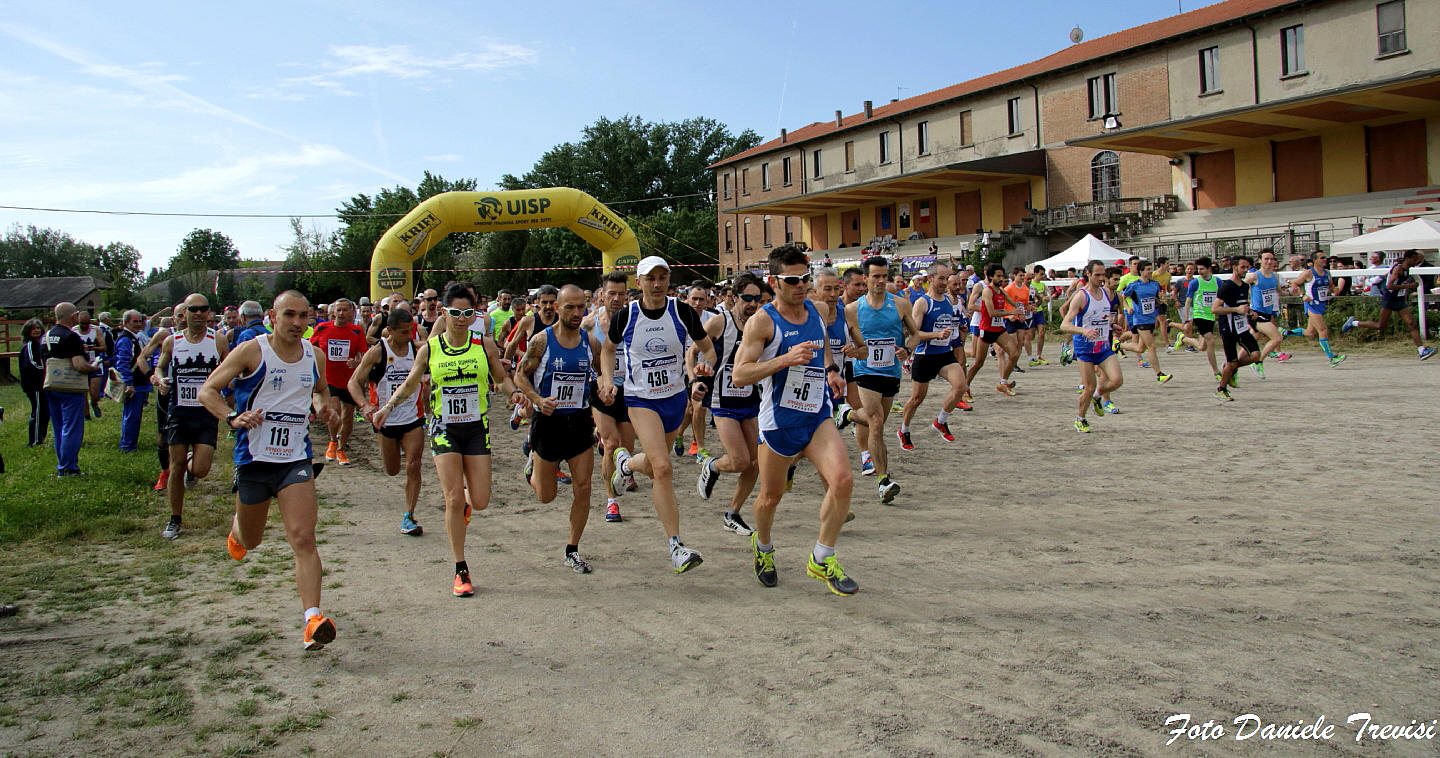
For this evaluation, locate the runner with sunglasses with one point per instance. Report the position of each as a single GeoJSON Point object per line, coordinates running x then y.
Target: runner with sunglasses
{"type": "Point", "coordinates": [736, 409]}
{"type": "Point", "coordinates": [651, 337]}
{"type": "Point", "coordinates": [785, 349]}
{"type": "Point", "coordinates": [459, 364]}
{"type": "Point", "coordinates": [385, 367]}
{"type": "Point", "coordinates": [187, 358]}
{"type": "Point", "coordinates": [886, 330]}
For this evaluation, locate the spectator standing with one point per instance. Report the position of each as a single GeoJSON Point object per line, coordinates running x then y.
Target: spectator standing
{"type": "Point", "coordinates": [67, 409]}
{"type": "Point", "coordinates": [137, 380]}
{"type": "Point", "coordinates": [32, 379]}
{"type": "Point", "coordinates": [253, 318]}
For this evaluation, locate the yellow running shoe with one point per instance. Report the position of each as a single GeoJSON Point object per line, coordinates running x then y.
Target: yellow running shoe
{"type": "Point", "coordinates": [833, 576]}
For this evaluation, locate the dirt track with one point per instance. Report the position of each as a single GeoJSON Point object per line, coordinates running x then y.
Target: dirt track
{"type": "Point", "coordinates": [1032, 592]}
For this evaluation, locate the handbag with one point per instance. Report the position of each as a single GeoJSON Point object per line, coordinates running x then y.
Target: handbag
{"type": "Point", "coordinates": [60, 376]}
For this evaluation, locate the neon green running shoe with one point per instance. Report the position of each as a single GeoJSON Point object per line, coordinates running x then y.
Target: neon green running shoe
{"type": "Point", "coordinates": [1082, 425]}
{"type": "Point", "coordinates": [764, 563]}
{"type": "Point", "coordinates": [833, 576]}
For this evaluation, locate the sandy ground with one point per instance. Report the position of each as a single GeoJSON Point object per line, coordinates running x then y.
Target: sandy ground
{"type": "Point", "coordinates": [1032, 592]}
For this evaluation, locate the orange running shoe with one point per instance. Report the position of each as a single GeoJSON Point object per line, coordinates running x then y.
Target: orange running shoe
{"type": "Point", "coordinates": [163, 482]}
{"type": "Point", "coordinates": [463, 588]}
{"type": "Point", "coordinates": [467, 514]}
{"type": "Point", "coordinates": [319, 632]}
{"type": "Point", "coordinates": [1004, 389]}
{"type": "Point", "coordinates": [331, 450]}
{"type": "Point", "coordinates": [342, 458]}
{"type": "Point", "coordinates": [964, 406]}
{"type": "Point", "coordinates": [694, 449]}
{"type": "Point", "coordinates": [236, 550]}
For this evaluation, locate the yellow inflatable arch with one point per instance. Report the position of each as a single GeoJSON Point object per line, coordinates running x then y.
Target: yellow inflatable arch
{"type": "Point", "coordinates": [432, 220]}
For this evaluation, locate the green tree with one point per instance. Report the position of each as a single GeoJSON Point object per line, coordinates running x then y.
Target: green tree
{"type": "Point", "coordinates": [119, 264]}
{"type": "Point", "coordinates": [32, 251]}
{"type": "Point", "coordinates": [653, 173]}
{"type": "Point", "coordinates": [313, 250]}
{"type": "Point", "coordinates": [201, 252]}
{"type": "Point", "coordinates": [364, 219]}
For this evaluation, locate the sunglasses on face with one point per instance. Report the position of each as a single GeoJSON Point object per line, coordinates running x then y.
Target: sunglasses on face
{"type": "Point", "coordinates": [749, 298]}
{"type": "Point", "coordinates": [795, 281]}
{"type": "Point", "coordinates": [197, 308]}
{"type": "Point", "coordinates": [460, 313]}
{"type": "Point", "coordinates": [431, 299]}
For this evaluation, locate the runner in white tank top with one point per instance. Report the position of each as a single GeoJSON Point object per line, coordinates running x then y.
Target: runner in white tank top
{"type": "Point", "coordinates": [280, 382]}
{"type": "Point", "coordinates": [384, 367]}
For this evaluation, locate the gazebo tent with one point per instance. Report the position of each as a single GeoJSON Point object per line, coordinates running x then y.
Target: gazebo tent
{"type": "Point", "coordinates": [1077, 255]}
{"type": "Point", "coordinates": [1419, 234]}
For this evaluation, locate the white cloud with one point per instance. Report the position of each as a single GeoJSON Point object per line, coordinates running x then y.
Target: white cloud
{"type": "Point", "coordinates": [395, 61]}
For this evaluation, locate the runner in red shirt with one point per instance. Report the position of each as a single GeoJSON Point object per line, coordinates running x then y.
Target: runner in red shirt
{"type": "Point", "coordinates": [342, 342]}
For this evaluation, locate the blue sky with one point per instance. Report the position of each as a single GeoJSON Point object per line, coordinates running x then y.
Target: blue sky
{"type": "Point", "coordinates": [290, 108]}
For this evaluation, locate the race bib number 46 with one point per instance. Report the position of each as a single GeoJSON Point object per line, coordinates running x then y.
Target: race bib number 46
{"type": "Point", "coordinates": [804, 389]}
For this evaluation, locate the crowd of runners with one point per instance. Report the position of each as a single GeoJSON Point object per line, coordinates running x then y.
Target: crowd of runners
{"type": "Point", "coordinates": [777, 362]}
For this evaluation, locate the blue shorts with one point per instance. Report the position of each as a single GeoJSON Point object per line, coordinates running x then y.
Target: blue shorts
{"type": "Point", "coordinates": [974, 331]}
{"type": "Point", "coordinates": [1318, 310]}
{"type": "Point", "coordinates": [1096, 358]}
{"type": "Point", "coordinates": [1037, 319]}
{"type": "Point", "coordinates": [1012, 326]}
{"type": "Point", "coordinates": [671, 410]}
{"type": "Point", "coordinates": [791, 440]}
{"type": "Point", "coordinates": [736, 414]}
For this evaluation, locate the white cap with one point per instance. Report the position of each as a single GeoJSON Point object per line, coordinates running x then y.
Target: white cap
{"type": "Point", "coordinates": [650, 263]}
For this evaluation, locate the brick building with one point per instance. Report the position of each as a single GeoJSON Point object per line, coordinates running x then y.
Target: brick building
{"type": "Point", "coordinates": [1240, 103]}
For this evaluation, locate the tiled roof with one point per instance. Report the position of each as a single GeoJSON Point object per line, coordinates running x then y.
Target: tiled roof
{"type": "Point", "coordinates": [1100, 47]}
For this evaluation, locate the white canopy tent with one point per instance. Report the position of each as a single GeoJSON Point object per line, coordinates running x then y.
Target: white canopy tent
{"type": "Point", "coordinates": [1077, 255]}
{"type": "Point", "coordinates": [1419, 234]}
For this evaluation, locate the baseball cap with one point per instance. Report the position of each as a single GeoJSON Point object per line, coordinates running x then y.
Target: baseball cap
{"type": "Point", "coordinates": [650, 263]}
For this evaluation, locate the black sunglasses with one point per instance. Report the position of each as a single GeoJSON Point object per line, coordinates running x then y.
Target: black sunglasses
{"type": "Point", "coordinates": [431, 299]}
{"type": "Point", "coordinates": [197, 308]}
{"type": "Point", "coordinates": [795, 281]}
{"type": "Point", "coordinates": [749, 298]}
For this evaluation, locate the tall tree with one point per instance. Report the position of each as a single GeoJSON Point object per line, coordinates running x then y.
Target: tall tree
{"type": "Point", "coordinates": [364, 219]}
{"type": "Point", "coordinates": [31, 251]}
{"type": "Point", "coordinates": [653, 173]}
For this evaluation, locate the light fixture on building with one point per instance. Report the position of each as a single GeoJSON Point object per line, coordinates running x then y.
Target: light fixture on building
{"type": "Point", "coordinates": [1111, 122]}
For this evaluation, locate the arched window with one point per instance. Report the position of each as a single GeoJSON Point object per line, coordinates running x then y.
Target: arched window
{"type": "Point", "coordinates": [1105, 176]}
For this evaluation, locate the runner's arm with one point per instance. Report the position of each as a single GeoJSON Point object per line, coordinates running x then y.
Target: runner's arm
{"type": "Point", "coordinates": [162, 366]}
{"type": "Point", "coordinates": [497, 369]}
{"type": "Point", "coordinates": [747, 371]}
{"type": "Point", "coordinates": [513, 343]}
{"type": "Point", "coordinates": [244, 359]}
{"type": "Point", "coordinates": [528, 363]}
{"type": "Point", "coordinates": [1067, 323]}
{"type": "Point", "coordinates": [356, 387]}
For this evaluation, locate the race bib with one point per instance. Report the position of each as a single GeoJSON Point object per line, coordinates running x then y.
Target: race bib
{"type": "Point", "coordinates": [804, 389]}
{"type": "Point", "coordinates": [281, 435]}
{"type": "Point", "coordinates": [187, 390]}
{"type": "Point", "coordinates": [568, 390]}
{"type": "Point", "coordinates": [1147, 306]}
{"type": "Point", "coordinates": [1103, 325]}
{"type": "Point", "coordinates": [1207, 299]}
{"type": "Point", "coordinates": [337, 350]}
{"type": "Point", "coordinates": [1270, 299]}
{"type": "Point", "coordinates": [880, 353]}
{"type": "Point", "coordinates": [1322, 292]}
{"type": "Point", "coordinates": [728, 388]}
{"type": "Point", "coordinates": [460, 404]}
{"type": "Point", "coordinates": [1239, 323]}
{"type": "Point", "coordinates": [659, 377]}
